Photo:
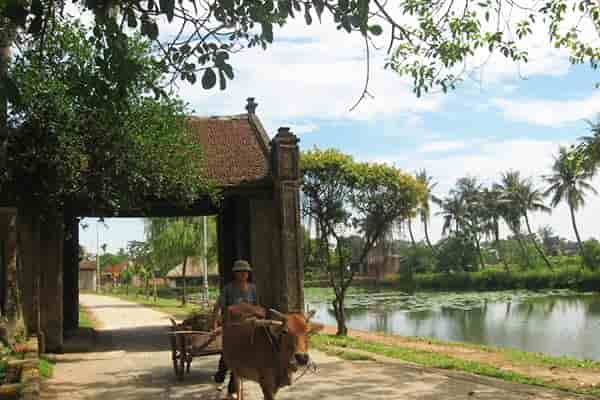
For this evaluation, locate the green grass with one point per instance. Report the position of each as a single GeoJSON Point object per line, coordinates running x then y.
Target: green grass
{"type": "Point", "coordinates": [85, 320]}
{"type": "Point", "coordinates": [520, 356]}
{"type": "Point", "coordinates": [46, 368]}
{"type": "Point", "coordinates": [170, 306]}
{"type": "Point", "coordinates": [432, 359]}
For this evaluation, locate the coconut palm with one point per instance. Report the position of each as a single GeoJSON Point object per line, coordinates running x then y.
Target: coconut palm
{"type": "Point", "coordinates": [510, 209]}
{"type": "Point", "coordinates": [424, 208]}
{"type": "Point", "coordinates": [471, 193]}
{"type": "Point", "coordinates": [569, 182]}
{"type": "Point", "coordinates": [492, 212]}
{"type": "Point", "coordinates": [531, 199]}
{"type": "Point", "coordinates": [590, 148]}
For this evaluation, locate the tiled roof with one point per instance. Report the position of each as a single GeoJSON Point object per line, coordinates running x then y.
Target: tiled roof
{"type": "Point", "coordinates": [235, 148]}
{"type": "Point", "coordinates": [86, 265]}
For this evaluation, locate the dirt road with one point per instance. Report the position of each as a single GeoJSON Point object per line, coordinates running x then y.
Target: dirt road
{"type": "Point", "coordinates": [131, 360]}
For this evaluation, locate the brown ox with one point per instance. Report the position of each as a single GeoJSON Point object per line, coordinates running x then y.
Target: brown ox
{"type": "Point", "coordinates": [265, 351]}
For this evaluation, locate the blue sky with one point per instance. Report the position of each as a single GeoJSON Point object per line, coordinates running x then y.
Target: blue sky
{"type": "Point", "coordinates": [495, 121]}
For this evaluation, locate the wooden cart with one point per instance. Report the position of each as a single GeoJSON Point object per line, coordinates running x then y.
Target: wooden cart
{"type": "Point", "coordinates": [187, 343]}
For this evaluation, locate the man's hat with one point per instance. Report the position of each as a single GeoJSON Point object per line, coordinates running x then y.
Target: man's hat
{"type": "Point", "coordinates": [241, 265]}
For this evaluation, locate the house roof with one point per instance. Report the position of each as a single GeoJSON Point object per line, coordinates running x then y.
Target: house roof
{"type": "Point", "coordinates": [193, 269]}
{"type": "Point", "coordinates": [87, 265]}
{"type": "Point", "coordinates": [236, 148]}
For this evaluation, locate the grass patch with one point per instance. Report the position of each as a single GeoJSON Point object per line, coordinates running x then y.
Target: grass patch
{"type": "Point", "coordinates": [433, 359]}
{"type": "Point", "coordinates": [170, 306]}
{"type": "Point", "coordinates": [85, 319]}
{"type": "Point", "coordinates": [46, 368]}
{"type": "Point", "coordinates": [520, 356]}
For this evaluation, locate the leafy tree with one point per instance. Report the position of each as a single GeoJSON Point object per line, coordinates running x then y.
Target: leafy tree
{"type": "Point", "coordinates": [569, 183]}
{"type": "Point", "coordinates": [113, 154]}
{"type": "Point", "coordinates": [456, 252]}
{"type": "Point", "coordinates": [342, 195]}
{"type": "Point", "coordinates": [175, 240]}
{"type": "Point", "coordinates": [592, 253]}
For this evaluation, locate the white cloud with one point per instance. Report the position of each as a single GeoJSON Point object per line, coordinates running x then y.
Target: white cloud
{"type": "Point", "coordinates": [301, 129]}
{"type": "Point", "coordinates": [442, 146]}
{"type": "Point", "coordinates": [486, 161]}
{"type": "Point", "coordinates": [549, 112]}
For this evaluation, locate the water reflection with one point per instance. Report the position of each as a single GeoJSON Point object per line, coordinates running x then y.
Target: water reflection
{"type": "Point", "coordinates": [554, 324]}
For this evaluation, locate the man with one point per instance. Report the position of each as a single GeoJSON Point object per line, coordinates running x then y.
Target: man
{"type": "Point", "coordinates": [238, 291]}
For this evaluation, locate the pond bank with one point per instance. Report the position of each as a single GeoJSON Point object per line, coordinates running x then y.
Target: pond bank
{"type": "Point", "coordinates": [563, 373]}
{"type": "Point", "coordinates": [490, 279]}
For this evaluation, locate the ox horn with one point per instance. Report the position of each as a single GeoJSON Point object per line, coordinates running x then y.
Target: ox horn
{"type": "Point", "coordinates": [277, 314]}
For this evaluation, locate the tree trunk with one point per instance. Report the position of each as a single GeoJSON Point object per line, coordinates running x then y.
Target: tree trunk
{"type": "Point", "coordinates": [535, 243]}
{"type": "Point", "coordinates": [581, 251]}
{"type": "Point", "coordinates": [340, 316]}
{"type": "Point", "coordinates": [479, 252]}
{"type": "Point", "coordinates": [11, 307]}
{"type": "Point", "coordinates": [7, 33]}
{"type": "Point", "coordinates": [427, 234]}
{"type": "Point", "coordinates": [184, 294]}
{"type": "Point", "coordinates": [410, 232]}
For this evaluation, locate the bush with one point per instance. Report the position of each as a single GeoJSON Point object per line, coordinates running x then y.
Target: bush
{"type": "Point", "coordinates": [456, 253]}
{"type": "Point", "coordinates": [591, 253]}
{"type": "Point", "coordinates": [498, 279]}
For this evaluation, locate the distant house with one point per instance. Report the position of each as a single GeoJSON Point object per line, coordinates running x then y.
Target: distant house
{"type": "Point", "coordinates": [194, 273]}
{"type": "Point", "coordinates": [87, 275]}
{"type": "Point", "coordinates": [380, 261]}
{"type": "Point", "coordinates": [111, 273]}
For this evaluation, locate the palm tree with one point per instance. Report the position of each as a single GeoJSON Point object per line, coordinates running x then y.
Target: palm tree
{"type": "Point", "coordinates": [590, 148]}
{"type": "Point", "coordinates": [531, 199]}
{"type": "Point", "coordinates": [471, 191]}
{"type": "Point", "coordinates": [452, 211]}
{"type": "Point", "coordinates": [492, 207]}
{"type": "Point", "coordinates": [424, 208]}
{"type": "Point", "coordinates": [510, 209]}
{"type": "Point", "coordinates": [569, 182]}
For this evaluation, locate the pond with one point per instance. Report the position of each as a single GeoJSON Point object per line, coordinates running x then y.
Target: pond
{"type": "Point", "coordinates": [555, 322]}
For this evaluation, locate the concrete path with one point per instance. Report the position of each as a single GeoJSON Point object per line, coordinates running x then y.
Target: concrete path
{"type": "Point", "coordinates": [131, 360]}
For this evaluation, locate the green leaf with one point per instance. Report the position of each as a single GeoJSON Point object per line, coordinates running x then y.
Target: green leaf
{"type": "Point", "coordinates": [228, 70]}
{"type": "Point", "coordinates": [168, 7]}
{"type": "Point", "coordinates": [209, 79]}
{"type": "Point", "coordinates": [222, 80]}
{"type": "Point", "coordinates": [35, 26]}
{"type": "Point", "coordinates": [267, 31]}
{"type": "Point", "coordinates": [131, 18]}
{"type": "Point", "coordinates": [319, 6]}
{"type": "Point", "coordinates": [376, 30]}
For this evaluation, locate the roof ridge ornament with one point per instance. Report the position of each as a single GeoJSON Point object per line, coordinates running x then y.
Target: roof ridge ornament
{"type": "Point", "coordinates": [251, 105]}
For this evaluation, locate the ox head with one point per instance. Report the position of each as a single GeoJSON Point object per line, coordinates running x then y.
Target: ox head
{"type": "Point", "coordinates": [294, 333]}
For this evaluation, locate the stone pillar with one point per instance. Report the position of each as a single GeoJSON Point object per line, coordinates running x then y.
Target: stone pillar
{"type": "Point", "coordinates": [285, 166]}
{"type": "Point", "coordinates": [29, 241]}
{"type": "Point", "coordinates": [71, 274]}
{"type": "Point", "coordinates": [51, 284]}
{"type": "Point", "coordinates": [263, 247]}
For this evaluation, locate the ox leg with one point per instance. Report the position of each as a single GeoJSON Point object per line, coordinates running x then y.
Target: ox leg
{"type": "Point", "coordinates": [267, 384]}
